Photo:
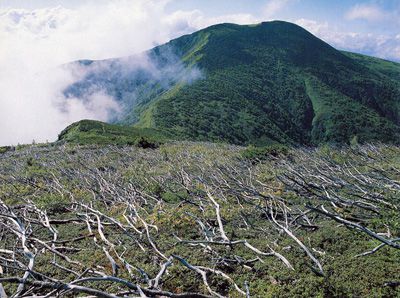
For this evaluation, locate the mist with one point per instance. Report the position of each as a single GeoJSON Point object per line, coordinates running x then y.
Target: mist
{"type": "Point", "coordinates": [122, 83]}
{"type": "Point", "coordinates": [38, 45]}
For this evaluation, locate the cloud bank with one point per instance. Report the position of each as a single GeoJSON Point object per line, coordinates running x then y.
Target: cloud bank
{"type": "Point", "coordinates": [383, 46]}
{"type": "Point", "coordinates": [369, 12]}
{"type": "Point", "coordinates": [36, 42]}
{"type": "Point", "coordinates": [272, 7]}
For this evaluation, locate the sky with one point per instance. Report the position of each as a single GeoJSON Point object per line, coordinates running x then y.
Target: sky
{"type": "Point", "coordinates": [37, 36]}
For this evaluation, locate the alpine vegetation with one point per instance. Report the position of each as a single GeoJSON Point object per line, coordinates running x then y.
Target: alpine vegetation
{"type": "Point", "coordinates": [199, 220]}
{"type": "Point", "coordinates": [235, 161]}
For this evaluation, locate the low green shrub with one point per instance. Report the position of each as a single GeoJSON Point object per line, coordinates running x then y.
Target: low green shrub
{"type": "Point", "coordinates": [146, 143]}
{"type": "Point", "coordinates": [175, 197]}
{"type": "Point", "coordinates": [262, 153]}
{"type": "Point", "coordinates": [5, 149]}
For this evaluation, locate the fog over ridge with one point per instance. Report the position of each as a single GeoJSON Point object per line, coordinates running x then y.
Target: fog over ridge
{"type": "Point", "coordinates": [38, 45]}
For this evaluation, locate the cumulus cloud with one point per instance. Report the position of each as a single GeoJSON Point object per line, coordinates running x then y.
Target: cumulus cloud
{"type": "Point", "coordinates": [374, 14]}
{"type": "Point", "coordinates": [272, 7]}
{"type": "Point", "coordinates": [34, 43]}
{"type": "Point", "coordinates": [188, 21]}
{"type": "Point", "coordinates": [383, 46]}
{"type": "Point", "coordinates": [369, 12]}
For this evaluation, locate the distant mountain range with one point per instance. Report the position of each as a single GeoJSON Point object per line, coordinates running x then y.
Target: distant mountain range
{"type": "Point", "coordinates": [254, 84]}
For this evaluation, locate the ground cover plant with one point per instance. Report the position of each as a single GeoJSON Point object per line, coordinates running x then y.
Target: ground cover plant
{"type": "Point", "coordinates": [199, 220]}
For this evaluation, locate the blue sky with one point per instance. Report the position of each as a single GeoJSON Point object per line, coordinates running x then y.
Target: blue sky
{"type": "Point", "coordinates": [365, 26]}
{"type": "Point", "coordinates": [319, 10]}
{"type": "Point", "coordinates": [371, 18]}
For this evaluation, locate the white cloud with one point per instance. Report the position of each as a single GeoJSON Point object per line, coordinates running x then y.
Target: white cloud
{"type": "Point", "coordinates": [272, 7]}
{"type": "Point", "coordinates": [369, 12]}
{"type": "Point", "coordinates": [184, 22]}
{"type": "Point", "coordinates": [383, 46]}
{"type": "Point", "coordinates": [374, 14]}
{"type": "Point", "coordinates": [32, 106]}
{"type": "Point", "coordinates": [35, 42]}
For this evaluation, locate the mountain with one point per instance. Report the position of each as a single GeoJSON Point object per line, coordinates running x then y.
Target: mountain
{"type": "Point", "coordinates": [252, 84]}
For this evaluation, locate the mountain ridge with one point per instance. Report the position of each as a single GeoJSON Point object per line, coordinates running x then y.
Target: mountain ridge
{"type": "Point", "coordinates": [259, 84]}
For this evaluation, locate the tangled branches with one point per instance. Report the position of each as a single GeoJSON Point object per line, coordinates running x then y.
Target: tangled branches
{"type": "Point", "coordinates": [124, 222]}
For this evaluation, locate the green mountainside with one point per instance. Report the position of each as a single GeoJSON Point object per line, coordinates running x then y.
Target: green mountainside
{"type": "Point", "coordinates": [260, 84]}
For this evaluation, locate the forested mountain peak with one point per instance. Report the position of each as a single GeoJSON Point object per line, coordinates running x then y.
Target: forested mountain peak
{"type": "Point", "coordinates": [254, 84]}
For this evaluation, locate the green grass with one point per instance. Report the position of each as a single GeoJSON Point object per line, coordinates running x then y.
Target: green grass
{"type": "Point", "coordinates": [388, 68]}
{"type": "Point", "coordinates": [96, 132]}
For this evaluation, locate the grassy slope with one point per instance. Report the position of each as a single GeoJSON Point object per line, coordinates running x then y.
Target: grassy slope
{"type": "Point", "coordinates": [96, 132]}
{"type": "Point", "coordinates": [388, 68]}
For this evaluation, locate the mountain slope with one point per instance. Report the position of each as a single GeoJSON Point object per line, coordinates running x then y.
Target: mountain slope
{"type": "Point", "coordinates": [90, 131]}
{"type": "Point", "coordinates": [271, 82]}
